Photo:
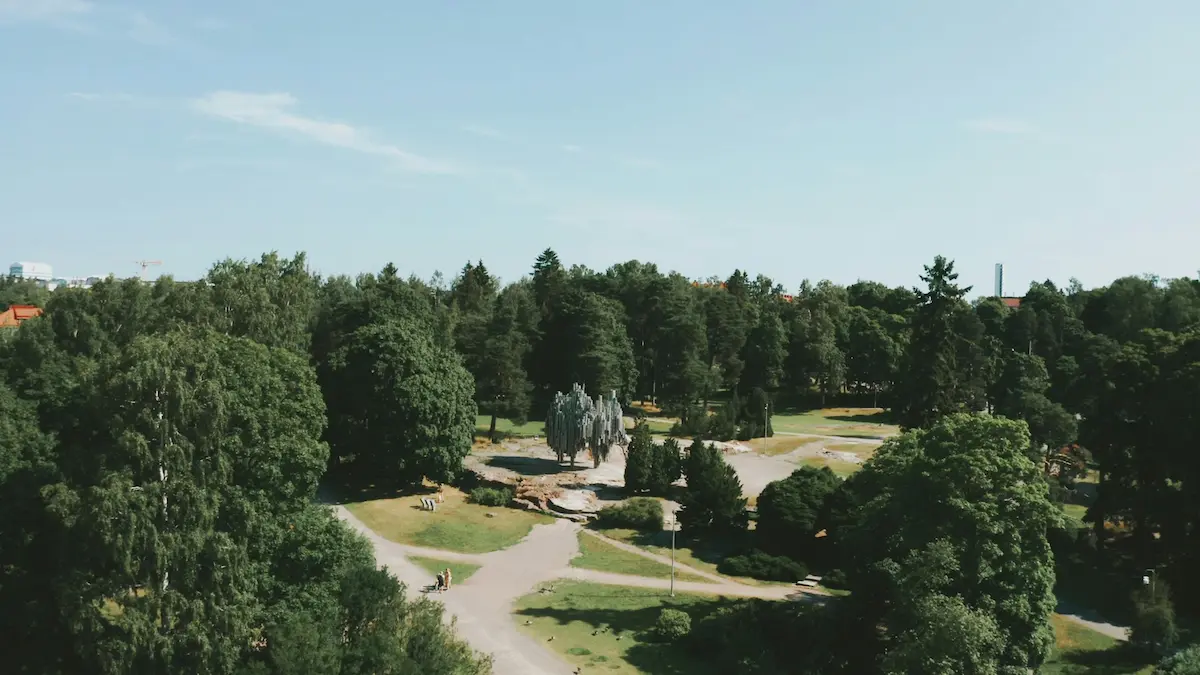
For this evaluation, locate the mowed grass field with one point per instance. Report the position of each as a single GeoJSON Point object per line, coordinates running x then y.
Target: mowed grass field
{"type": "Point", "coordinates": [704, 559]}
{"type": "Point", "coordinates": [1080, 650]}
{"type": "Point", "coordinates": [585, 621]}
{"type": "Point", "coordinates": [528, 430]}
{"type": "Point", "coordinates": [606, 629]}
{"type": "Point", "coordinates": [597, 554]}
{"type": "Point", "coordinates": [851, 422]}
{"type": "Point", "coordinates": [456, 526]}
{"type": "Point", "coordinates": [839, 467]}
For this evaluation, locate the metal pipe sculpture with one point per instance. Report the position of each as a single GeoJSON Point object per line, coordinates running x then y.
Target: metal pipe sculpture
{"type": "Point", "coordinates": [576, 421]}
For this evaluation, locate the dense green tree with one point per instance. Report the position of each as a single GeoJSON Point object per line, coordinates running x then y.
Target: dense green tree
{"type": "Point", "coordinates": [590, 345]}
{"type": "Point", "coordinates": [872, 354]}
{"type": "Point", "coordinates": [934, 494]}
{"type": "Point", "coordinates": [31, 636]}
{"type": "Point", "coordinates": [713, 501]}
{"type": "Point", "coordinates": [639, 287]}
{"type": "Point", "coordinates": [272, 301]}
{"type": "Point", "coordinates": [18, 291]}
{"type": "Point", "coordinates": [789, 510]}
{"type": "Point", "coordinates": [765, 352]}
{"type": "Point", "coordinates": [1020, 393]}
{"type": "Point", "coordinates": [651, 467]}
{"type": "Point", "coordinates": [639, 459]}
{"type": "Point", "coordinates": [1179, 309]}
{"type": "Point", "coordinates": [681, 346]}
{"type": "Point", "coordinates": [754, 416]}
{"type": "Point", "coordinates": [931, 386]}
{"type": "Point", "coordinates": [726, 332]}
{"type": "Point", "coordinates": [198, 445]}
{"type": "Point", "coordinates": [1124, 308]}
{"type": "Point", "coordinates": [400, 406]}
{"type": "Point", "coordinates": [472, 300]}
{"type": "Point", "coordinates": [1153, 629]}
{"type": "Point", "coordinates": [549, 279]}
{"type": "Point", "coordinates": [1183, 662]}
{"type": "Point", "coordinates": [502, 384]}
{"type": "Point", "coordinates": [667, 466]}
{"type": "Point", "coordinates": [944, 636]}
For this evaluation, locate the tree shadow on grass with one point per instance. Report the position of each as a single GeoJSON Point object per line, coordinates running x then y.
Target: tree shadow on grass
{"type": "Point", "coordinates": [649, 655]}
{"type": "Point", "coordinates": [529, 466]}
{"type": "Point", "coordinates": [874, 418]}
{"type": "Point", "coordinates": [1120, 660]}
{"type": "Point", "coordinates": [711, 550]}
{"type": "Point", "coordinates": [346, 485]}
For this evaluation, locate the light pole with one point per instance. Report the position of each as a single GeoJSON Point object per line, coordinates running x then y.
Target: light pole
{"type": "Point", "coordinates": [672, 523]}
{"type": "Point", "coordinates": [766, 422]}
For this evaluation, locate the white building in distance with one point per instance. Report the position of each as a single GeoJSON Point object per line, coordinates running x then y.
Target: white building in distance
{"type": "Point", "coordinates": [31, 270]}
{"type": "Point", "coordinates": [43, 274]}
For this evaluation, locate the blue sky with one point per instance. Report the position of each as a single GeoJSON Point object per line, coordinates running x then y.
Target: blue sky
{"type": "Point", "coordinates": [838, 140]}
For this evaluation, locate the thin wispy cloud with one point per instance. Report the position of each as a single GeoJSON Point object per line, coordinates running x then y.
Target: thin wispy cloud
{"type": "Point", "coordinates": [85, 16]}
{"type": "Point", "coordinates": [570, 148]}
{"type": "Point", "coordinates": [273, 111]}
{"type": "Point", "coordinates": [43, 10]}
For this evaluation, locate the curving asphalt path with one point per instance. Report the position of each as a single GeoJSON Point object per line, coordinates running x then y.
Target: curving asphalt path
{"type": "Point", "coordinates": [482, 605]}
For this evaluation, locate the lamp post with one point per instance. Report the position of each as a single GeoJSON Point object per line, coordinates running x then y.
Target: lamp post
{"type": "Point", "coordinates": [766, 421]}
{"type": "Point", "coordinates": [672, 523]}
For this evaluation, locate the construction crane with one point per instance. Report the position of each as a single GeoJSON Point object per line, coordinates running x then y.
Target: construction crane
{"type": "Point", "coordinates": [144, 264]}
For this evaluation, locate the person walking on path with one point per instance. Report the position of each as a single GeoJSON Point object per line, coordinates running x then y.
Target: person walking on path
{"type": "Point", "coordinates": [447, 575]}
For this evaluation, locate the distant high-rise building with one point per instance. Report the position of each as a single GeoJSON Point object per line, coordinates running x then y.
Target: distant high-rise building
{"type": "Point", "coordinates": [999, 280]}
{"type": "Point", "coordinates": [31, 270]}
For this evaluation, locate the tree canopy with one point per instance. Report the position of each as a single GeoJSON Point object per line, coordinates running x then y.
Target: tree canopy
{"type": "Point", "coordinates": [267, 374]}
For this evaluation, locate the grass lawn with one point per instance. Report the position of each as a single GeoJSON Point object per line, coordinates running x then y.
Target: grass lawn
{"type": "Point", "coordinates": [531, 428]}
{"type": "Point", "coordinates": [852, 422]}
{"type": "Point", "coordinates": [456, 526]}
{"type": "Point", "coordinates": [459, 571]}
{"type": "Point", "coordinates": [1079, 649]}
{"type": "Point", "coordinates": [837, 466]}
{"type": "Point", "coordinates": [704, 559]}
{"type": "Point", "coordinates": [778, 445]}
{"type": "Point", "coordinates": [597, 554]}
{"type": "Point", "coordinates": [585, 621]}
{"type": "Point", "coordinates": [1075, 513]}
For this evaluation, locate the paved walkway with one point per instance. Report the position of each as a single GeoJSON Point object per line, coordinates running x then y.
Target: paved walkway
{"type": "Point", "coordinates": [483, 604]}
{"type": "Point", "coordinates": [1093, 621]}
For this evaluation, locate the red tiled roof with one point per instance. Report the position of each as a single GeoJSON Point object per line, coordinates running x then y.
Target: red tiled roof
{"type": "Point", "coordinates": [22, 312]}
{"type": "Point", "coordinates": [15, 314]}
{"type": "Point", "coordinates": [1011, 302]}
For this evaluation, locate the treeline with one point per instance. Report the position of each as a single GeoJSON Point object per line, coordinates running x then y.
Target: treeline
{"type": "Point", "coordinates": [385, 374]}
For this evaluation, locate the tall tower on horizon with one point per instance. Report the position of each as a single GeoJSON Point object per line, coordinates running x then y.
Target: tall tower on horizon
{"type": "Point", "coordinates": [999, 280]}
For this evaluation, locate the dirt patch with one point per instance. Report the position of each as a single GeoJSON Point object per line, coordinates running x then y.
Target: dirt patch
{"type": "Point", "coordinates": [839, 456]}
